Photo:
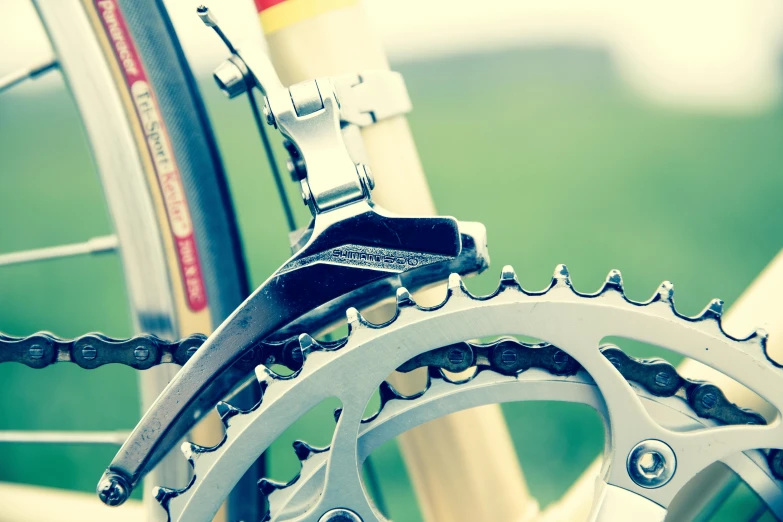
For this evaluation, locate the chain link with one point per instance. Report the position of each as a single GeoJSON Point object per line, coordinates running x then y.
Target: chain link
{"type": "Point", "coordinates": [92, 350]}
{"type": "Point", "coordinates": [507, 356]}
{"type": "Point", "coordinates": [141, 352]}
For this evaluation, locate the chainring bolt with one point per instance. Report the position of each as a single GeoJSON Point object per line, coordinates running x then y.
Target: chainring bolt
{"type": "Point", "coordinates": [651, 464]}
{"type": "Point", "coordinates": [89, 353]}
{"type": "Point", "coordinates": [141, 353]}
{"type": "Point", "coordinates": [35, 351]}
{"type": "Point", "coordinates": [340, 515]}
{"type": "Point", "coordinates": [191, 351]}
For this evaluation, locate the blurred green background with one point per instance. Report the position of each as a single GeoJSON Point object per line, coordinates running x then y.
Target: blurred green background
{"type": "Point", "coordinates": [546, 147]}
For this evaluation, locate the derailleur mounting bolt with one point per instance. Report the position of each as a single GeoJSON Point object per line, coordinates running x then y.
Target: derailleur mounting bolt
{"type": "Point", "coordinates": [231, 78]}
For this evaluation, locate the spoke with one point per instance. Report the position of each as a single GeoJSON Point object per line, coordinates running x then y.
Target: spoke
{"type": "Point", "coordinates": [114, 438]}
{"type": "Point", "coordinates": [96, 245]}
{"type": "Point", "coordinates": [17, 77]}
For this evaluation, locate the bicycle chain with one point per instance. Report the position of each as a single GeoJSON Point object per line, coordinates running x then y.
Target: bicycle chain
{"type": "Point", "coordinates": [506, 356]}
{"type": "Point", "coordinates": [141, 352]}
{"type": "Point", "coordinates": [92, 350]}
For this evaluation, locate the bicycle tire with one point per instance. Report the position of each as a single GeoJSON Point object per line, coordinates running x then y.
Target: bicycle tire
{"type": "Point", "coordinates": [187, 189]}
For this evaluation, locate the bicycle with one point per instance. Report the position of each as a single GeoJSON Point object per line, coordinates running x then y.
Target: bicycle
{"type": "Point", "coordinates": [452, 247]}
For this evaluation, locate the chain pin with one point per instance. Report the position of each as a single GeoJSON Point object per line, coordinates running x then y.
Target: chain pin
{"type": "Point", "coordinates": [141, 353]}
{"type": "Point", "coordinates": [662, 379]}
{"type": "Point", "coordinates": [89, 353]}
{"type": "Point", "coordinates": [508, 357]}
{"type": "Point", "coordinates": [456, 356]}
{"type": "Point", "coordinates": [709, 400]}
{"type": "Point", "coordinates": [35, 351]}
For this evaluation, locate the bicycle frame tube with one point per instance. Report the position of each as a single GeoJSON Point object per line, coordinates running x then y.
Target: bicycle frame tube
{"type": "Point", "coordinates": [313, 38]}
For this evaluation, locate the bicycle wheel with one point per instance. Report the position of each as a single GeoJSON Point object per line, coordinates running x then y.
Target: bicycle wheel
{"type": "Point", "coordinates": [159, 168]}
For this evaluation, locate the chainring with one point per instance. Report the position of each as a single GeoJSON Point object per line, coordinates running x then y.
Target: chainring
{"type": "Point", "coordinates": [574, 322]}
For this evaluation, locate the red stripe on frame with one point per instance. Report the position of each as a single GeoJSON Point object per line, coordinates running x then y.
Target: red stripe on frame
{"type": "Point", "coordinates": [261, 5]}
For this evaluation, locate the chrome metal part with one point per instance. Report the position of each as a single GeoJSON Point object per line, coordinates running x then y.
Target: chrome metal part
{"type": "Point", "coordinates": [371, 96]}
{"type": "Point", "coordinates": [27, 73]}
{"type": "Point", "coordinates": [96, 245]}
{"type": "Point", "coordinates": [206, 16]}
{"type": "Point", "coordinates": [443, 397]}
{"type": "Point", "coordinates": [113, 490]}
{"type": "Point", "coordinates": [230, 77]}
{"type": "Point", "coordinates": [306, 98]}
{"type": "Point", "coordinates": [312, 114]}
{"type": "Point", "coordinates": [331, 174]}
{"type": "Point", "coordinates": [550, 315]}
{"type": "Point", "coordinates": [651, 463]}
{"type": "Point", "coordinates": [340, 515]}
{"type": "Point", "coordinates": [351, 252]}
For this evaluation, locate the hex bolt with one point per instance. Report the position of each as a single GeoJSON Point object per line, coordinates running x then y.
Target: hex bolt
{"type": "Point", "coordinates": [35, 351]}
{"type": "Point", "coordinates": [340, 515]}
{"type": "Point", "coordinates": [663, 379]}
{"type": "Point", "coordinates": [709, 400]}
{"type": "Point", "coordinates": [456, 356]}
{"type": "Point", "coordinates": [89, 353]}
{"type": "Point", "coordinates": [230, 78]}
{"type": "Point", "coordinates": [191, 351]}
{"type": "Point", "coordinates": [508, 357]}
{"type": "Point", "coordinates": [141, 353]}
{"type": "Point", "coordinates": [651, 463]}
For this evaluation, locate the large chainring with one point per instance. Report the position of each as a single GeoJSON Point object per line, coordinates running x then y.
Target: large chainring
{"type": "Point", "coordinates": [575, 323]}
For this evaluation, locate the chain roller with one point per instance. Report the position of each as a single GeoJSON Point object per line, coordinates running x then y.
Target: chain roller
{"type": "Point", "coordinates": [507, 356]}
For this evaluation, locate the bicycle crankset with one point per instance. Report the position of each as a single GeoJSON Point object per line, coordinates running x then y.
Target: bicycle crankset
{"type": "Point", "coordinates": [661, 428]}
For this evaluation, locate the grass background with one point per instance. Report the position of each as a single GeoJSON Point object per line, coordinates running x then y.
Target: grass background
{"type": "Point", "coordinates": [547, 148]}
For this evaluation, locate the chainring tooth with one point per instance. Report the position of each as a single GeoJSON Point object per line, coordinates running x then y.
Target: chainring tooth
{"type": "Point", "coordinates": [655, 375]}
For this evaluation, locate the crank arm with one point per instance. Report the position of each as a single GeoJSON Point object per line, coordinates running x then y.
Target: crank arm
{"type": "Point", "coordinates": [352, 251]}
